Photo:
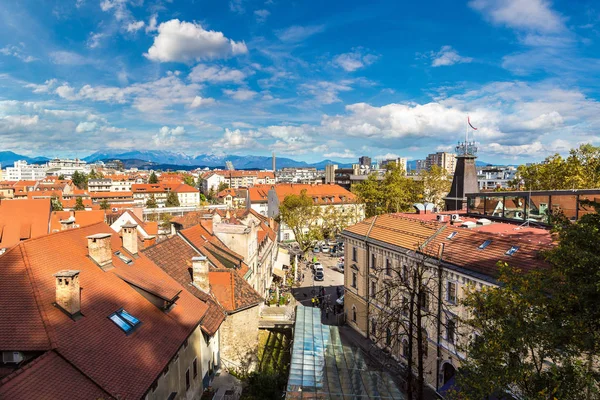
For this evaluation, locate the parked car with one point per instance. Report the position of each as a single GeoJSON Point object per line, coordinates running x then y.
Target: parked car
{"type": "Point", "coordinates": [316, 249]}
{"type": "Point", "coordinates": [317, 267]}
{"type": "Point", "coordinates": [319, 275]}
{"type": "Point", "coordinates": [325, 249]}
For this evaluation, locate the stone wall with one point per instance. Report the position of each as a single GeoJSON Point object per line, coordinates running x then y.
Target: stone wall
{"type": "Point", "coordinates": [239, 340]}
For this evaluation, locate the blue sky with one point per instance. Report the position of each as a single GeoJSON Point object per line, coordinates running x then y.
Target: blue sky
{"type": "Point", "coordinates": [307, 79]}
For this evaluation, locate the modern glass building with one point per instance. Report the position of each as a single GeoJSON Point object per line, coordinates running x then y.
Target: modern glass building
{"type": "Point", "coordinates": [322, 367]}
{"type": "Point", "coordinates": [535, 206]}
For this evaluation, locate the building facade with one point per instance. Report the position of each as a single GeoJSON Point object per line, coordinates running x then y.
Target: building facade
{"type": "Point", "coordinates": [21, 171]}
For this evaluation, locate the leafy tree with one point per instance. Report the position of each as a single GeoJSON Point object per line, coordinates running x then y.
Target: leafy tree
{"type": "Point", "coordinates": [79, 204]}
{"type": "Point", "coordinates": [79, 179]}
{"type": "Point", "coordinates": [151, 202]}
{"type": "Point", "coordinates": [265, 386]}
{"type": "Point", "coordinates": [302, 216]}
{"type": "Point", "coordinates": [370, 193]}
{"type": "Point", "coordinates": [165, 221]}
{"type": "Point", "coordinates": [581, 170]}
{"type": "Point", "coordinates": [56, 204]}
{"type": "Point", "coordinates": [153, 178]}
{"type": "Point", "coordinates": [189, 180]}
{"type": "Point", "coordinates": [104, 205]}
{"type": "Point", "coordinates": [336, 219]}
{"type": "Point", "coordinates": [435, 185]}
{"type": "Point", "coordinates": [172, 200]}
{"type": "Point", "coordinates": [95, 175]}
{"type": "Point", "coordinates": [203, 198]}
{"type": "Point", "coordinates": [222, 186]}
{"type": "Point", "coordinates": [61, 177]}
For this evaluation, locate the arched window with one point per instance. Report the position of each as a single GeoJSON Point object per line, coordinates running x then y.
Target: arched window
{"type": "Point", "coordinates": [354, 313]}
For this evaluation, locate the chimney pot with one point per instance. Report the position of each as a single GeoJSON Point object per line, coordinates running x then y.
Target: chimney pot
{"type": "Point", "coordinates": [129, 235]}
{"type": "Point", "coordinates": [99, 248]}
{"type": "Point", "coordinates": [68, 293]}
{"type": "Point", "coordinates": [200, 270]}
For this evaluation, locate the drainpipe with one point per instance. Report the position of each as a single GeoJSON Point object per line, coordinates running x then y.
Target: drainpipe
{"type": "Point", "coordinates": [439, 317]}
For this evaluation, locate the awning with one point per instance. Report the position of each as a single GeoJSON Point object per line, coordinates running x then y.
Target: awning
{"type": "Point", "coordinates": [279, 272]}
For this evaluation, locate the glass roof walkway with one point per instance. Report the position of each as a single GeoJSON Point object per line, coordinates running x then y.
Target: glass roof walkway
{"type": "Point", "coordinates": [323, 367]}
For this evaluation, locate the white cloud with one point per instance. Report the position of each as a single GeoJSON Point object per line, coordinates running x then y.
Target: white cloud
{"type": "Point", "coordinates": [261, 15]}
{"type": "Point", "coordinates": [387, 156]}
{"type": "Point", "coordinates": [179, 41]}
{"type": "Point", "coordinates": [135, 26]}
{"type": "Point", "coordinates": [43, 88]}
{"type": "Point", "coordinates": [95, 39]}
{"type": "Point", "coordinates": [86, 127]}
{"type": "Point", "coordinates": [354, 60]}
{"type": "Point", "coordinates": [17, 52]}
{"type": "Point", "coordinates": [216, 74]}
{"type": "Point", "coordinates": [326, 92]}
{"type": "Point", "coordinates": [200, 101]}
{"type": "Point", "coordinates": [237, 6]}
{"type": "Point", "coordinates": [240, 94]}
{"type": "Point", "coordinates": [234, 140]}
{"type": "Point", "coordinates": [68, 58]}
{"type": "Point", "coordinates": [66, 92]}
{"type": "Point", "coordinates": [297, 33]}
{"type": "Point", "coordinates": [151, 27]}
{"type": "Point", "coordinates": [20, 121]}
{"type": "Point", "coordinates": [527, 15]}
{"type": "Point", "coordinates": [448, 56]}
{"type": "Point", "coordinates": [346, 154]}
{"type": "Point", "coordinates": [118, 7]}
{"type": "Point", "coordinates": [168, 136]}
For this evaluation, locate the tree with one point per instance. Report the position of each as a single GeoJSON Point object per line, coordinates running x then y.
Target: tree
{"type": "Point", "coordinates": [56, 204]}
{"type": "Point", "coordinates": [152, 178]}
{"type": "Point", "coordinates": [189, 180]}
{"type": "Point", "coordinates": [79, 179]}
{"type": "Point", "coordinates": [435, 185]}
{"type": "Point", "coordinates": [79, 204]}
{"type": "Point", "coordinates": [61, 177]}
{"type": "Point", "coordinates": [369, 192]}
{"type": "Point", "coordinates": [95, 175]}
{"type": "Point", "coordinates": [172, 200]}
{"type": "Point", "coordinates": [222, 186]}
{"type": "Point", "coordinates": [302, 216]}
{"type": "Point", "coordinates": [151, 202]}
{"type": "Point", "coordinates": [336, 219]}
{"type": "Point", "coordinates": [165, 221]}
{"type": "Point", "coordinates": [104, 205]}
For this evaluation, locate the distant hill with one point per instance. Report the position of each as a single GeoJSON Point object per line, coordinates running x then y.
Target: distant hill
{"type": "Point", "coordinates": [152, 159]}
{"type": "Point", "coordinates": [7, 159]}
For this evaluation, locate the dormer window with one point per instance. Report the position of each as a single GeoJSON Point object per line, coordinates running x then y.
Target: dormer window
{"type": "Point", "coordinates": [484, 244]}
{"type": "Point", "coordinates": [124, 320]}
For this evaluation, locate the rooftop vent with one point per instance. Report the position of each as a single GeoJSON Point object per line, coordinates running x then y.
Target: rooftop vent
{"type": "Point", "coordinates": [483, 221]}
{"type": "Point", "coordinates": [468, 224]}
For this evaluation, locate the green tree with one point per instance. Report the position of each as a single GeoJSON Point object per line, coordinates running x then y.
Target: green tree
{"type": "Point", "coordinates": [61, 177]}
{"type": "Point", "coordinates": [435, 185]}
{"type": "Point", "coordinates": [104, 205]}
{"type": "Point", "coordinates": [95, 175]}
{"type": "Point", "coordinates": [336, 219]}
{"type": "Point", "coordinates": [79, 179]}
{"type": "Point", "coordinates": [369, 193]}
{"type": "Point", "coordinates": [222, 186]}
{"type": "Point", "coordinates": [79, 204]}
{"type": "Point", "coordinates": [153, 178]}
{"type": "Point", "coordinates": [151, 202]}
{"type": "Point", "coordinates": [56, 204]}
{"type": "Point", "coordinates": [172, 200]}
{"type": "Point", "coordinates": [189, 180]}
{"type": "Point", "coordinates": [302, 216]}
{"type": "Point", "coordinates": [165, 221]}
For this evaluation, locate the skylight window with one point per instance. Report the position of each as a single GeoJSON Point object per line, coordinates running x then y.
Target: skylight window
{"type": "Point", "coordinates": [123, 258]}
{"type": "Point", "coordinates": [512, 250]}
{"type": "Point", "coordinates": [124, 320]}
{"type": "Point", "coordinates": [451, 236]}
{"type": "Point", "coordinates": [484, 244]}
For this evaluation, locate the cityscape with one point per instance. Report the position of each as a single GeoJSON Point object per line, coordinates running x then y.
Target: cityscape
{"type": "Point", "coordinates": [264, 199]}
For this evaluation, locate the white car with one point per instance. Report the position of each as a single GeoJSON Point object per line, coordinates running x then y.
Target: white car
{"type": "Point", "coordinates": [317, 267]}
{"type": "Point", "coordinates": [325, 249]}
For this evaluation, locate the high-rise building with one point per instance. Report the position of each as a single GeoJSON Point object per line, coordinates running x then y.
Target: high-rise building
{"type": "Point", "coordinates": [421, 166]}
{"type": "Point", "coordinates": [21, 171]}
{"type": "Point", "coordinates": [364, 160]}
{"type": "Point", "coordinates": [330, 173]}
{"type": "Point", "coordinates": [400, 161]}
{"type": "Point", "coordinates": [442, 160]}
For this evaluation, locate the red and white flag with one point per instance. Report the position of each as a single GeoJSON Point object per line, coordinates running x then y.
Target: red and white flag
{"type": "Point", "coordinates": [469, 121]}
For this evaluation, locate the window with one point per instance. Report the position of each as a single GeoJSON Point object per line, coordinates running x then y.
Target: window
{"type": "Point", "coordinates": [388, 337]}
{"type": "Point", "coordinates": [286, 236]}
{"type": "Point", "coordinates": [450, 329]}
{"type": "Point", "coordinates": [373, 261]}
{"type": "Point", "coordinates": [354, 313]}
{"type": "Point", "coordinates": [373, 327]}
{"type": "Point", "coordinates": [404, 306]}
{"type": "Point", "coordinates": [124, 320]}
{"type": "Point", "coordinates": [354, 280]}
{"type": "Point", "coordinates": [451, 292]}
{"type": "Point", "coordinates": [425, 343]}
{"type": "Point", "coordinates": [187, 380]}
{"type": "Point", "coordinates": [404, 274]}
{"type": "Point", "coordinates": [373, 289]}
{"type": "Point", "coordinates": [424, 299]}
{"type": "Point", "coordinates": [512, 250]}
{"type": "Point", "coordinates": [388, 297]}
{"type": "Point", "coordinates": [354, 257]}
{"type": "Point", "coordinates": [195, 367]}
{"type": "Point", "coordinates": [451, 236]}
{"type": "Point", "coordinates": [405, 348]}
{"type": "Point", "coordinates": [484, 244]}
{"type": "Point", "coordinates": [388, 267]}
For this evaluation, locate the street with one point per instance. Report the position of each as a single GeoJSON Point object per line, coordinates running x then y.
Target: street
{"type": "Point", "coordinates": [310, 288]}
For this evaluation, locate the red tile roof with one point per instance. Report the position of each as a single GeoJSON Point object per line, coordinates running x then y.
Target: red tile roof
{"type": "Point", "coordinates": [82, 218]}
{"type": "Point", "coordinates": [23, 219]}
{"type": "Point", "coordinates": [50, 377]}
{"type": "Point", "coordinates": [123, 365]}
{"type": "Point", "coordinates": [232, 291]}
{"type": "Point", "coordinates": [322, 194]}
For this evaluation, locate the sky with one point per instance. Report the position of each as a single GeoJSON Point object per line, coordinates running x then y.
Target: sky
{"type": "Point", "coordinates": [306, 79]}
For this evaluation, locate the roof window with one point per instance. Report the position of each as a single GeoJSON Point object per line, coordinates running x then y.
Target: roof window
{"type": "Point", "coordinates": [451, 236]}
{"type": "Point", "coordinates": [484, 244]}
{"type": "Point", "coordinates": [512, 250]}
{"type": "Point", "coordinates": [123, 258]}
{"type": "Point", "coordinates": [124, 320]}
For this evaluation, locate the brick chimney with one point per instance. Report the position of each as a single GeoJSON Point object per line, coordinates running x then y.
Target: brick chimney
{"type": "Point", "coordinates": [149, 241]}
{"type": "Point", "coordinates": [200, 273]}
{"type": "Point", "coordinates": [99, 248]}
{"type": "Point", "coordinates": [68, 294]}
{"type": "Point", "coordinates": [67, 223]}
{"type": "Point", "coordinates": [129, 235]}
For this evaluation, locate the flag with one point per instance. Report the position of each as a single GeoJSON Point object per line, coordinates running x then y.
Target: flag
{"type": "Point", "coordinates": [469, 121]}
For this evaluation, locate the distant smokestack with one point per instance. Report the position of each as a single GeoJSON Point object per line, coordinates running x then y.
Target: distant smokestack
{"type": "Point", "coordinates": [273, 166]}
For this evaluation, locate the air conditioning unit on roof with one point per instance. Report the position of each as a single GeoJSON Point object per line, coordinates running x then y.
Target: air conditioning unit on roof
{"type": "Point", "coordinates": [441, 217]}
{"type": "Point", "coordinates": [455, 217]}
{"type": "Point", "coordinates": [14, 357]}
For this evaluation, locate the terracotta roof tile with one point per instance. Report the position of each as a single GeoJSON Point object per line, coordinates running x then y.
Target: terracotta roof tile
{"type": "Point", "coordinates": [23, 219]}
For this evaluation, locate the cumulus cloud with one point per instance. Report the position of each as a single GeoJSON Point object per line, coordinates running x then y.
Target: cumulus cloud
{"type": "Point", "coordinates": [240, 94]}
{"type": "Point", "coordinates": [151, 27]}
{"type": "Point", "coordinates": [354, 60]}
{"type": "Point", "coordinates": [326, 92]}
{"type": "Point", "coordinates": [168, 136]}
{"type": "Point", "coordinates": [180, 41]}
{"type": "Point", "coordinates": [200, 101]}
{"type": "Point", "coordinates": [234, 140]}
{"type": "Point", "coordinates": [95, 40]}
{"type": "Point", "coordinates": [447, 56]}
{"type": "Point", "coordinates": [346, 154]}
{"type": "Point", "coordinates": [529, 15]}
{"type": "Point", "coordinates": [43, 88]}
{"type": "Point", "coordinates": [216, 74]}
{"type": "Point", "coordinates": [135, 26]}
{"type": "Point", "coordinates": [261, 15]}
{"type": "Point", "coordinates": [83, 127]}
{"type": "Point", "coordinates": [68, 58]}
{"type": "Point", "coordinates": [66, 92]}
{"type": "Point", "coordinates": [297, 33]}
{"type": "Point", "coordinates": [18, 52]}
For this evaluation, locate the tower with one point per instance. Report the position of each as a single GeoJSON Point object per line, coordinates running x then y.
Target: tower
{"type": "Point", "coordinates": [465, 176]}
{"type": "Point", "coordinates": [273, 166]}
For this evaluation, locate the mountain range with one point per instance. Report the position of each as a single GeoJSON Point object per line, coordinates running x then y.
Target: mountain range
{"type": "Point", "coordinates": [161, 159]}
